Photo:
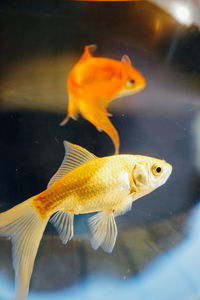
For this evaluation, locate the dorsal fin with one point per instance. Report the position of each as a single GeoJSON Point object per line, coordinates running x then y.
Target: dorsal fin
{"type": "Point", "coordinates": [88, 51]}
{"type": "Point", "coordinates": [75, 156]}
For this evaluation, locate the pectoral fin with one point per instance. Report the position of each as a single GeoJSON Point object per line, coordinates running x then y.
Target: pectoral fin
{"type": "Point", "coordinates": [104, 231]}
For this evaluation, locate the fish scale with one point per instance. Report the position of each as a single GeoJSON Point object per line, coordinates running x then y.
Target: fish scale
{"type": "Point", "coordinates": [80, 190]}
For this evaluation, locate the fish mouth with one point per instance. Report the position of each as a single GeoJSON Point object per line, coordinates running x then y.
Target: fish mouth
{"type": "Point", "coordinates": [168, 172]}
{"type": "Point", "coordinates": [142, 85]}
{"type": "Point", "coordinates": [169, 169]}
{"type": "Point", "coordinates": [127, 92]}
{"type": "Point", "coordinates": [139, 87]}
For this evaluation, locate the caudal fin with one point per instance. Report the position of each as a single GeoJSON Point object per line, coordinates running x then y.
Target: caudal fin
{"type": "Point", "coordinates": [99, 118]}
{"type": "Point", "coordinates": [25, 227]}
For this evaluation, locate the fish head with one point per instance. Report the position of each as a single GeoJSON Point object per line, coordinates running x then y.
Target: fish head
{"type": "Point", "coordinates": [133, 81]}
{"type": "Point", "coordinates": [150, 173]}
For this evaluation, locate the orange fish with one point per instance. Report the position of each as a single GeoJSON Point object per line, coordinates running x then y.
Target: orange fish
{"type": "Point", "coordinates": [84, 183]}
{"type": "Point", "coordinates": [94, 82]}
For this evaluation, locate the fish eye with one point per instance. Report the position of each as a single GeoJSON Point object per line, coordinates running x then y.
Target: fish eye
{"type": "Point", "coordinates": [156, 169]}
{"type": "Point", "coordinates": [131, 82]}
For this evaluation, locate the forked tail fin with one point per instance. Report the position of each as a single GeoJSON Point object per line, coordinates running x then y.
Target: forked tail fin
{"type": "Point", "coordinates": [25, 227]}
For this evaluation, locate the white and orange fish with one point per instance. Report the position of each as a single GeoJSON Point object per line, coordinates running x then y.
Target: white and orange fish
{"type": "Point", "coordinates": [83, 184]}
{"type": "Point", "coordinates": [96, 81]}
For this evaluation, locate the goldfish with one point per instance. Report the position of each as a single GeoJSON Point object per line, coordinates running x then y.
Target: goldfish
{"type": "Point", "coordinates": [94, 82]}
{"type": "Point", "coordinates": [83, 184]}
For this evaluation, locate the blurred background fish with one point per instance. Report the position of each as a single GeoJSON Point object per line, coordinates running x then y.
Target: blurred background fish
{"type": "Point", "coordinates": [94, 82]}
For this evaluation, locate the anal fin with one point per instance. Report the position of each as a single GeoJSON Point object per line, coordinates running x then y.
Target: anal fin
{"type": "Point", "coordinates": [104, 231]}
{"type": "Point", "coordinates": [63, 222]}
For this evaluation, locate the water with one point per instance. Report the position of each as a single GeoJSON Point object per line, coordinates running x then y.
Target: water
{"type": "Point", "coordinates": [40, 42]}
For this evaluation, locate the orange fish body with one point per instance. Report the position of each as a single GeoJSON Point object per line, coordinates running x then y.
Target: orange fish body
{"type": "Point", "coordinates": [94, 82]}
{"type": "Point", "coordinates": [83, 184]}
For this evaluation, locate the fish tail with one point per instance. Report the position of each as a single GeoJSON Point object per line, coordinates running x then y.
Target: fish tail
{"type": "Point", "coordinates": [25, 228]}
{"type": "Point", "coordinates": [99, 118]}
